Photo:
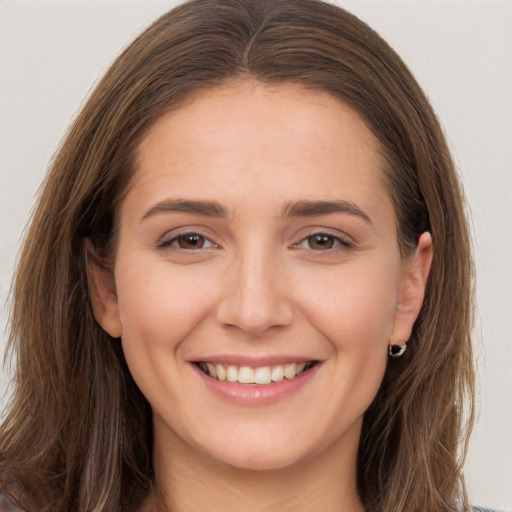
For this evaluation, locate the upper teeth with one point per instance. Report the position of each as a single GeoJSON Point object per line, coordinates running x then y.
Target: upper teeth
{"type": "Point", "coordinates": [248, 375]}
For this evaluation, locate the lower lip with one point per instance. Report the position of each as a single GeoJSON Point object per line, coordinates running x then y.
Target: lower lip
{"type": "Point", "coordinates": [254, 394]}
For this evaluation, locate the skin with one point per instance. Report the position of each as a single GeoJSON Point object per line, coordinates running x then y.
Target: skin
{"type": "Point", "coordinates": [258, 284]}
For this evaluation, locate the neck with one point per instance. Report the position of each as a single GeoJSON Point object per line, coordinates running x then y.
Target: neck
{"type": "Point", "coordinates": [190, 482]}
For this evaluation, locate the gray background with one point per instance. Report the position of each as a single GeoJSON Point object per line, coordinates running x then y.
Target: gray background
{"type": "Point", "coordinates": [51, 52]}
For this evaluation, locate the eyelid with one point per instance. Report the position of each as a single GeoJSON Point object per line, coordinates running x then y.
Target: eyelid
{"type": "Point", "coordinates": [167, 240]}
{"type": "Point", "coordinates": [344, 242]}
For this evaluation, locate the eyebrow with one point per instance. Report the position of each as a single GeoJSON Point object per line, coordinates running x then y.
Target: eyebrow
{"type": "Point", "coordinates": [293, 209]}
{"type": "Point", "coordinates": [315, 208]}
{"type": "Point", "coordinates": [205, 208]}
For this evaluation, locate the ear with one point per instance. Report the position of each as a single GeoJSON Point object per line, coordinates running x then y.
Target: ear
{"type": "Point", "coordinates": [411, 289]}
{"type": "Point", "coordinates": [102, 291]}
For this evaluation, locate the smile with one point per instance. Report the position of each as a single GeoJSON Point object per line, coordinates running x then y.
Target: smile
{"type": "Point", "coordinates": [263, 375]}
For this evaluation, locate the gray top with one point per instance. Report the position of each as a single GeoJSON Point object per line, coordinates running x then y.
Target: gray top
{"type": "Point", "coordinates": [9, 504]}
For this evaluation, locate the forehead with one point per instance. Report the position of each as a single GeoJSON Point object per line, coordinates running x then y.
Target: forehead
{"type": "Point", "coordinates": [245, 137]}
{"type": "Point", "coordinates": [250, 105]}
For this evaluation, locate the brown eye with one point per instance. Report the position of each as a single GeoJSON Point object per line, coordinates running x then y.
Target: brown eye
{"type": "Point", "coordinates": [321, 242]}
{"type": "Point", "coordinates": [190, 241]}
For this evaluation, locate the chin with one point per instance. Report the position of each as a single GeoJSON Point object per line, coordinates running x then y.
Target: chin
{"type": "Point", "coordinates": [267, 460]}
{"type": "Point", "coordinates": [264, 451]}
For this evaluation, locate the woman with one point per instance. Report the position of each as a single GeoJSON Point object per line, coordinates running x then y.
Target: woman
{"type": "Point", "coordinates": [247, 284]}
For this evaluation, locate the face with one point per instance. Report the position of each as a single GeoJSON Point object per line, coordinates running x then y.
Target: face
{"type": "Point", "coordinates": [258, 280]}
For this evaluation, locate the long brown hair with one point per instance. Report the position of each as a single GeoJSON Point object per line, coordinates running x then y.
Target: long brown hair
{"type": "Point", "coordinates": [78, 436]}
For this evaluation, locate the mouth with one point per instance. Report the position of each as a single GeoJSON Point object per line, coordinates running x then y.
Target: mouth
{"type": "Point", "coordinates": [261, 375]}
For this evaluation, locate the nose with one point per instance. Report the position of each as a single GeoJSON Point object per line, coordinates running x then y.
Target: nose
{"type": "Point", "coordinates": [256, 296]}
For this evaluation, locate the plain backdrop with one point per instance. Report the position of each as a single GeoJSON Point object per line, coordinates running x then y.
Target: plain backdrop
{"type": "Point", "coordinates": [51, 53]}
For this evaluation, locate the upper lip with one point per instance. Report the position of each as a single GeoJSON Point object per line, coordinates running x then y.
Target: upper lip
{"type": "Point", "coordinates": [253, 361]}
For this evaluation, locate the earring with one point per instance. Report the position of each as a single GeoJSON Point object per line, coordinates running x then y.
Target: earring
{"type": "Point", "coordinates": [397, 351]}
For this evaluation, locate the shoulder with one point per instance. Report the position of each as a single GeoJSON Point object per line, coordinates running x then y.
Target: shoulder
{"type": "Point", "coordinates": [8, 503]}
{"type": "Point", "coordinates": [10, 494]}
{"type": "Point", "coordinates": [480, 509]}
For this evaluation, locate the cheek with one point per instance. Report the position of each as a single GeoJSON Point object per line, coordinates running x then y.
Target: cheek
{"type": "Point", "coordinates": [356, 309]}
{"type": "Point", "coordinates": [358, 321]}
{"type": "Point", "coordinates": [354, 313]}
{"type": "Point", "coordinates": [158, 307]}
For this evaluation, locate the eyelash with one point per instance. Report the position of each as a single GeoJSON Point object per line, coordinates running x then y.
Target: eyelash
{"type": "Point", "coordinates": [336, 241]}
{"type": "Point", "coordinates": [174, 241]}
